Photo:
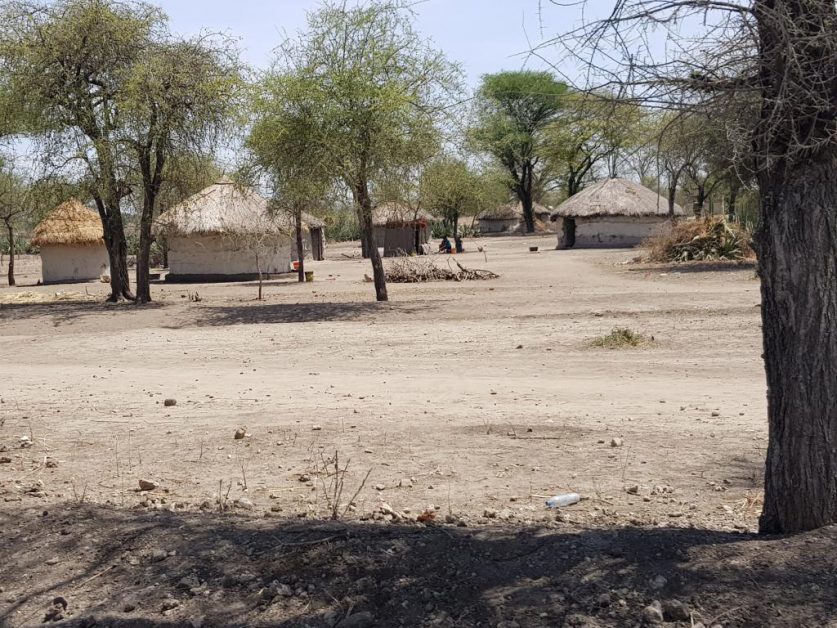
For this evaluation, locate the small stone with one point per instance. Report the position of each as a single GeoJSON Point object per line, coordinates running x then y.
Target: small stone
{"type": "Point", "coordinates": [304, 477]}
{"type": "Point", "coordinates": [158, 555]}
{"type": "Point", "coordinates": [675, 610]}
{"type": "Point", "coordinates": [379, 487]}
{"type": "Point", "coordinates": [616, 442]}
{"type": "Point", "coordinates": [170, 402]}
{"type": "Point", "coordinates": [52, 561]}
{"type": "Point", "coordinates": [658, 583]}
{"type": "Point", "coordinates": [51, 464]}
{"type": "Point", "coordinates": [129, 608]}
{"type": "Point", "coordinates": [5, 460]}
{"type": "Point", "coordinates": [170, 604]}
{"type": "Point", "coordinates": [653, 613]}
{"type": "Point", "coordinates": [316, 428]}
{"type": "Point", "coordinates": [357, 620]}
{"type": "Point", "coordinates": [244, 503]}
{"type": "Point", "coordinates": [450, 519]}
{"type": "Point", "coordinates": [633, 490]}
{"type": "Point", "coordinates": [240, 433]}
{"type": "Point", "coordinates": [716, 414]}
{"type": "Point", "coordinates": [603, 599]}
{"type": "Point", "coordinates": [406, 483]}
{"type": "Point", "coordinates": [488, 513]}
{"type": "Point", "coordinates": [147, 485]}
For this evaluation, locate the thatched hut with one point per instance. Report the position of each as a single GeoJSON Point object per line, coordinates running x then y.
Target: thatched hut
{"type": "Point", "coordinates": [71, 239]}
{"type": "Point", "coordinates": [612, 213]}
{"type": "Point", "coordinates": [313, 235]}
{"type": "Point", "coordinates": [400, 230]}
{"type": "Point", "coordinates": [508, 218]}
{"type": "Point", "coordinates": [224, 233]}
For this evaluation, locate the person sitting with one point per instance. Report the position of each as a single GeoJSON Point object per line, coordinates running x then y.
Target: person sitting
{"type": "Point", "coordinates": [444, 245]}
{"type": "Point", "coordinates": [458, 242]}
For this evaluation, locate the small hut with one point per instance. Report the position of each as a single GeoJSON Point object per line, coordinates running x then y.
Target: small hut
{"type": "Point", "coordinates": [400, 230]}
{"type": "Point", "coordinates": [224, 233]}
{"type": "Point", "coordinates": [72, 244]}
{"type": "Point", "coordinates": [508, 218]}
{"type": "Point", "coordinates": [316, 236]}
{"type": "Point", "coordinates": [612, 213]}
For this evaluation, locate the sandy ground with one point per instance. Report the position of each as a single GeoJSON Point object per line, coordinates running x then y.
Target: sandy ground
{"type": "Point", "coordinates": [472, 401]}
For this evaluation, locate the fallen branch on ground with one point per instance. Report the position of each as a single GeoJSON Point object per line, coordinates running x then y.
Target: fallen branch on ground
{"type": "Point", "coordinates": [413, 270]}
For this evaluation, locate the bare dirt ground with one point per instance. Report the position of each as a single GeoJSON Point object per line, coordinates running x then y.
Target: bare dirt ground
{"type": "Point", "coordinates": [467, 404]}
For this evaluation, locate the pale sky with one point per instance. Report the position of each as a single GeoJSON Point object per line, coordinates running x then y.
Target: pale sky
{"type": "Point", "coordinates": [484, 36]}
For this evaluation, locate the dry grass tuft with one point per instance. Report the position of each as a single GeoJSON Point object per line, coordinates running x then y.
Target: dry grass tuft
{"type": "Point", "coordinates": [621, 338]}
{"type": "Point", "coordinates": [709, 239]}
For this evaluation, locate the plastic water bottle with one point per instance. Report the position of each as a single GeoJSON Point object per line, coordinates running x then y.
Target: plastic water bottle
{"type": "Point", "coordinates": [559, 501]}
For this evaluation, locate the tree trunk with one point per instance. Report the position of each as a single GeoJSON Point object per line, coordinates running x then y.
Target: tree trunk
{"type": "Point", "coordinates": [144, 259]}
{"type": "Point", "coordinates": [300, 249]}
{"type": "Point", "coordinates": [120, 283]}
{"type": "Point", "coordinates": [11, 231]}
{"type": "Point", "coordinates": [528, 211]}
{"type": "Point", "coordinates": [672, 193]}
{"type": "Point", "coordinates": [700, 200]}
{"type": "Point", "coordinates": [797, 247]}
{"type": "Point", "coordinates": [367, 235]}
{"type": "Point", "coordinates": [567, 233]}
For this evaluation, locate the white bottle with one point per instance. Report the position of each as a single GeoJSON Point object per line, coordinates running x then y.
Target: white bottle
{"type": "Point", "coordinates": [559, 501]}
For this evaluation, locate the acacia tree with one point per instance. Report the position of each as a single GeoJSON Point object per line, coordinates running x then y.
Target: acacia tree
{"type": "Point", "coordinates": [281, 147]}
{"type": "Point", "coordinates": [67, 61]}
{"type": "Point", "coordinates": [513, 111]}
{"type": "Point", "coordinates": [450, 188]}
{"type": "Point", "coordinates": [14, 206]}
{"type": "Point", "coordinates": [377, 89]}
{"type": "Point", "coordinates": [781, 54]}
{"type": "Point", "coordinates": [178, 98]}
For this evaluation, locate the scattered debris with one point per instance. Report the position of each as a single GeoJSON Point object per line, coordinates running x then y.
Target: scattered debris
{"type": "Point", "coordinates": [414, 270]}
{"type": "Point", "coordinates": [170, 402]}
{"type": "Point", "coordinates": [147, 485]}
{"type": "Point", "coordinates": [240, 433]}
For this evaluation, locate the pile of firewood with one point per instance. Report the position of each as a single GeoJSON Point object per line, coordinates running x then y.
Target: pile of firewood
{"type": "Point", "coordinates": [417, 270]}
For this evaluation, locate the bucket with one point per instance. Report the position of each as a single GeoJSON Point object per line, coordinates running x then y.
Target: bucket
{"type": "Point", "coordinates": [533, 249]}
{"type": "Point", "coordinates": [295, 265]}
{"type": "Point", "coordinates": [309, 276]}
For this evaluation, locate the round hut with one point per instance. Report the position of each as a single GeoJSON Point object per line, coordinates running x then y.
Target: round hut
{"type": "Point", "coordinates": [508, 218]}
{"type": "Point", "coordinates": [224, 233]}
{"type": "Point", "coordinates": [612, 213]}
{"type": "Point", "coordinates": [400, 230]}
{"type": "Point", "coordinates": [71, 240]}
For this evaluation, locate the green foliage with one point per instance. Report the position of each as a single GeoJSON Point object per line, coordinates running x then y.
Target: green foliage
{"type": "Point", "coordinates": [341, 225]}
{"type": "Point", "coordinates": [620, 338]}
{"type": "Point", "coordinates": [513, 111]}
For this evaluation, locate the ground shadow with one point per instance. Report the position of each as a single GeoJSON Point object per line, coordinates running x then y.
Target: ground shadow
{"type": "Point", "coordinates": [695, 267]}
{"type": "Point", "coordinates": [141, 568]}
{"type": "Point", "coordinates": [260, 313]}
{"type": "Point", "coordinates": [62, 312]}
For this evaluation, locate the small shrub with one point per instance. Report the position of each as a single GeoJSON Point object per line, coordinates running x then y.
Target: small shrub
{"type": "Point", "coordinates": [621, 338]}
{"type": "Point", "coordinates": [709, 239]}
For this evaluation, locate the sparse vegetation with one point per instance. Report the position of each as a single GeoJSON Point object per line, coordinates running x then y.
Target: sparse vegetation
{"type": "Point", "coordinates": [711, 239]}
{"type": "Point", "coordinates": [621, 338]}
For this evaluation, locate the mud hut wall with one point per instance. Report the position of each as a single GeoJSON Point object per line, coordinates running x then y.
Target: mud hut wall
{"type": "Point", "coordinates": [67, 263]}
{"type": "Point", "coordinates": [217, 255]}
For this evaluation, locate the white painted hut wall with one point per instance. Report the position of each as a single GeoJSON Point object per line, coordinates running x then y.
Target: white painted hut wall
{"type": "Point", "coordinates": [216, 255]}
{"type": "Point", "coordinates": [64, 263]}
{"type": "Point", "coordinates": [615, 231]}
{"type": "Point", "coordinates": [497, 226]}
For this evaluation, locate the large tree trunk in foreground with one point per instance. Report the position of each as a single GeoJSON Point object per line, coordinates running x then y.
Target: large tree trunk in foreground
{"type": "Point", "coordinates": [300, 250]}
{"type": "Point", "coordinates": [120, 283]}
{"type": "Point", "coordinates": [524, 193]}
{"type": "Point", "coordinates": [367, 235]}
{"type": "Point", "coordinates": [11, 231]}
{"type": "Point", "coordinates": [797, 246]}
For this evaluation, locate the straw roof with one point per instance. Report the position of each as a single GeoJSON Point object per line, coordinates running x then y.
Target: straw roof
{"type": "Point", "coordinates": [397, 214]}
{"type": "Point", "coordinates": [615, 197]}
{"type": "Point", "coordinates": [221, 209]}
{"type": "Point", "coordinates": [69, 224]}
{"type": "Point", "coordinates": [511, 211]}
